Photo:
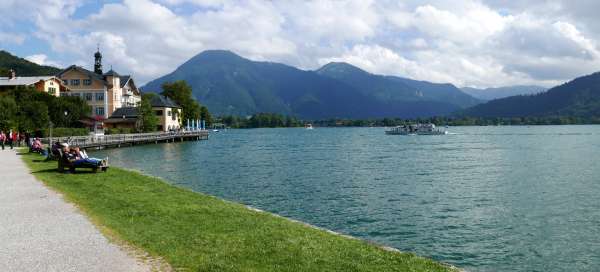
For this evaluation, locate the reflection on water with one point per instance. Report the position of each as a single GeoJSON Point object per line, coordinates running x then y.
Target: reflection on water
{"type": "Point", "coordinates": [482, 198]}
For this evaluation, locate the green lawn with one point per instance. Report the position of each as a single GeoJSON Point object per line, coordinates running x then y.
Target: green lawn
{"type": "Point", "coordinates": [197, 232]}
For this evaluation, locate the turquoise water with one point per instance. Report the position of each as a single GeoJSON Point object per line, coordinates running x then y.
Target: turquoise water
{"type": "Point", "coordinates": [482, 198]}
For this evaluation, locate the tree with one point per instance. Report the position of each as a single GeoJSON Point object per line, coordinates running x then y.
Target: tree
{"type": "Point", "coordinates": [32, 115]}
{"type": "Point", "coordinates": [181, 93]}
{"type": "Point", "coordinates": [205, 115]}
{"type": "Point", "coordinates": [8, 111]}
{"type": "Point", "coordinates": [75, 107]}
{"type": "Point", "coordinates": [148, 120]}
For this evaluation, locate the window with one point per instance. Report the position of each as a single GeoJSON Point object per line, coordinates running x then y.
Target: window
{"type": "Point", "coordinates": [65, 82]}
{"type": "Point", "coordinates": [168, 113]}
{"type": "Point", "coordinates": [174, 116]}
{"type": "Point", "coordinates": [89, 97]}
{"type": "Point", "coordinates": [99, 96]}
{"type": "Point", "coordinates": [75, 82]}
{"type": "Point", "coordinates": [100, 111]}
{"type": "Point", "coordinates": [51, 83]}
{"type": "Point", "coordinates": [75, 94]}
{"type": "Point", "coordinates": [159, 113]}
{"type": "Point", "coordinates": [64, 94]}
{"type": "Point", "coordinates": [87, 82]}
{"type": "Point", "coordinates": [52, 91]}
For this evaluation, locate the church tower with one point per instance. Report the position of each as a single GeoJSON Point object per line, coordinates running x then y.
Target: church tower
{"type": "Point", "coordinates": [98, 62]}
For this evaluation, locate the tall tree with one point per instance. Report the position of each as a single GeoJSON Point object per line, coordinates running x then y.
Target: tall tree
{"type": "Point", "coordinates": [148, 119]}
{"type": "Point", "coordinates": [8, 111]}
{"type": "Point", "coordinates": [181, 93]}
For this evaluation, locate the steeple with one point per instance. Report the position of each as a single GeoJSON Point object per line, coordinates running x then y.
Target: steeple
{"type": "Point", "coordinates": [98, 62]}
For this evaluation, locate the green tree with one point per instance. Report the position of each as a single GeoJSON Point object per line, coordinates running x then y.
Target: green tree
{"type": "Point", "coordinates": [75, 107]}
{"type": "Point", "coordinates": [8, 112]}
{"type": "Point", "coordinates": [181, 93]}
{"type": "Point", "coordinates": [205, 115]}
{"type": "Point", "coordinates": [148, 120]}
{"type": "Point", "coordinates": [32, 115]}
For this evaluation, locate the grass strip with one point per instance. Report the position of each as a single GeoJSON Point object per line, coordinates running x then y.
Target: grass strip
{"type": "Point", "coordinates": [197, 232]}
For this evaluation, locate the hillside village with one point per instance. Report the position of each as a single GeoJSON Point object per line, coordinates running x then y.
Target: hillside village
{"type": "Point", "coordinates": [113, 98]}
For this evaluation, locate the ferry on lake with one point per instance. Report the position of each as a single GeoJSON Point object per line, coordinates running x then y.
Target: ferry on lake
{"type": "Point", "coordinates": [416, 129]}
{"type": "Point", "coordinates": [308, 126]}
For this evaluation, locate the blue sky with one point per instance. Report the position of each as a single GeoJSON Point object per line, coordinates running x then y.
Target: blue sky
{"type": "Point", "coordinates": [468, 43]}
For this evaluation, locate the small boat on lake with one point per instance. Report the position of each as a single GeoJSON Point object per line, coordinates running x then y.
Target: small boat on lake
{"type": "Point", "coordinates": [416, 129]}
{"type": "Point", "coordinates": [308, 126]}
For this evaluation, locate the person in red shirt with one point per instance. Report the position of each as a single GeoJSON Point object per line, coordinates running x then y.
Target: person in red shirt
{"type": "Point", "coordinates": [2, 138]}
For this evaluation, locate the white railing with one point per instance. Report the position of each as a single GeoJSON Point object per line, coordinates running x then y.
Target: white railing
{"type": "Point", "coordinates": [104, 140]}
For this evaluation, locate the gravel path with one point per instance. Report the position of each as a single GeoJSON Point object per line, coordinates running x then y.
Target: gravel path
{"type": "Point", "coordinates": [39, 231]}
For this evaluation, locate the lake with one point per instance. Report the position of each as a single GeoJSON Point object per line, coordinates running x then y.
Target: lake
{"type": "Point", "coordinates": [481, 198]}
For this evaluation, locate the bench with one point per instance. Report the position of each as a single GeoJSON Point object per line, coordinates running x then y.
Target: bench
{"type": "Point", "coordinates": [65, 164]}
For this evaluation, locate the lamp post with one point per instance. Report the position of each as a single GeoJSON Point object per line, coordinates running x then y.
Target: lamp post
{"type": "Point", "coordinates": [50, 125]}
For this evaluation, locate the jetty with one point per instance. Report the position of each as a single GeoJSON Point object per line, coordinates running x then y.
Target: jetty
{"type": "Point", "coordinates": [118, 140]}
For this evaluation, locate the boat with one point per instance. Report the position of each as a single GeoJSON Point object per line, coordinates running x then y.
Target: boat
{"type": "Point", "coordinates": [416, 129]}
{"type": "Point", "coordinates": [308, 126]}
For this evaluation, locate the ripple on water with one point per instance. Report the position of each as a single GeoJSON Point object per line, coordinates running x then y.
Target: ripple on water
{"type": "Point", "coordinates": [484, 198]}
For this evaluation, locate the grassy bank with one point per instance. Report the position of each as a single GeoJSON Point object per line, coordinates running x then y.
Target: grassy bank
{"type": "Point", "coordinates": [197, 232]}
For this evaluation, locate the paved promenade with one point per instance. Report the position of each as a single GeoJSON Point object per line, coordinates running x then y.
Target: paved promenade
{"type": "Point", "coordinates": [39, 231]}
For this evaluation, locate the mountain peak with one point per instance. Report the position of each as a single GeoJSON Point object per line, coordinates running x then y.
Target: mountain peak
{"type": "Point", "coordinates": [340, 68]}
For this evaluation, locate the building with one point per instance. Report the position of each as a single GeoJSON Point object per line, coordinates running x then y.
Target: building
{"type": "Point", "coordinates": [104, 92]}
{"type": "Point", "coordinates": [168, 113]}
{"type": "Point", "coordinates": [125, 117]}
{"type": "Point", "coordinates": [48, 84]}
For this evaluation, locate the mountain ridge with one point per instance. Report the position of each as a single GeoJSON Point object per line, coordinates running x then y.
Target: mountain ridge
{"type": "Point", "coordinates": [579, 97]}
{"type": "Point", "coordinates": [23, 67]}
{"type": "Point", "coordinates": [502, 92]}
{"type": "Point", "coordinates": [229, 84]}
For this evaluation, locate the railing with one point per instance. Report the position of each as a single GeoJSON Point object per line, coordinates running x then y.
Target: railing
{"type": "Point", "coordinates": [106, 140]}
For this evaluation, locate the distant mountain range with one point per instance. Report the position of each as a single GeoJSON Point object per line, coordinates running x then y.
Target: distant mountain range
{"type": "Point", "coordinates": [23, 67]}
{"type": "Point", "coordinates": [229, 84]}
{"type": "Point", "coordinates": [501, 92]}
{"type": "Point", "coordinates": [578, 98]}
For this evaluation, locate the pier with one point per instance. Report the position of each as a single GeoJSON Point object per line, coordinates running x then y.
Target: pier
{"type": "Point", "coordinates": [118, 140]}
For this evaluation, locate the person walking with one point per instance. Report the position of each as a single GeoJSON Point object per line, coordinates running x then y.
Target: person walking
{"type": "Point", "coordinates": [9, 138]}
{"type": "Point", "coordinates": [2, 138]}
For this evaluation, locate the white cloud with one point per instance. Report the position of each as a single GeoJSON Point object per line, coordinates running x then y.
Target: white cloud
{"type": "Point", "coordinates": [42, 59]}
{"type": "Point", "coordinates": [12, 38]}
{"type": "Point", "coordinates": [469, 42]}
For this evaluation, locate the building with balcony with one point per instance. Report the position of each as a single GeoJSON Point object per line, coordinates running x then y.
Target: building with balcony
{"type": "Point", "coordinates": [104, 92]}
{"type": "Point", "coordinates": [48, 84]}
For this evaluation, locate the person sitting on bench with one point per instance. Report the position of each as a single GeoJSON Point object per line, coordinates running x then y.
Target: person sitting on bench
{"type": "Point", "coordinates": [82, 157]}
{"type": "Point", "coordinates": [70, 156]}
{"type": "Point", "coordinates": [36, 146]}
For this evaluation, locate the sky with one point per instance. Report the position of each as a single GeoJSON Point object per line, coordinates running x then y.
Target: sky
{"type": "Point", "coordinates": [487, 43]}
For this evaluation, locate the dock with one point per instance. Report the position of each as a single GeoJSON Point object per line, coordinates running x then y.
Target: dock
{"type": "Point", "coordinates": [118, 140]}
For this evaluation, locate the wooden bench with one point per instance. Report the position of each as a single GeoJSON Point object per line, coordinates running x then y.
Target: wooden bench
{"type": "Point", "coordinates": [63, 163]}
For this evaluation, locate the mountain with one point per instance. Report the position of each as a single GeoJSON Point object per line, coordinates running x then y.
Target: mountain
{"type": "Point", "coordinates": [391, 88]}
{"type": "Point", "coordinates": [231, 85]}
{"type": "Point", "coordinates": [495, 93]}
{"type": "Point", "coordinates": [23, 67]}
{"type": "Point", "coordinates": [578, 98]}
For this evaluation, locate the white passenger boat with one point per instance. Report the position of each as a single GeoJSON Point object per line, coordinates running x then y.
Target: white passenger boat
{"type": "Point", "coordinates": [416, 129]}
{"type": "Point", "coordinates": [308, 126]}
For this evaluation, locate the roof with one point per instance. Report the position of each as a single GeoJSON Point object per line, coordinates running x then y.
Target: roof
{"type": "Point", "coordinates": [163, 101]}
{"type": "Point", "coordinates": [83, 70]}
{"type": "Point", "coordinates": [124, 80]}
{"type": "Point", "coordinates": [111, 72]}
{"type": "Point", "coordinates": [128, 112]}
{"type": "Point", "coordinates": [22, 81]}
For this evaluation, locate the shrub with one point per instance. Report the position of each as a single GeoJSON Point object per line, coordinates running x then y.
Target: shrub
{"type": "Point", "coordinates": [64, 132]}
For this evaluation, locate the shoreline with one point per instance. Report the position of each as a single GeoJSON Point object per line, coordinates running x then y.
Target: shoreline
{"type": "Point", "coordinates": [256, 229]}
